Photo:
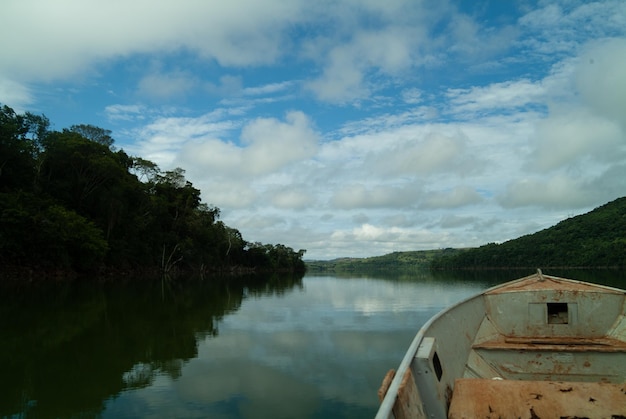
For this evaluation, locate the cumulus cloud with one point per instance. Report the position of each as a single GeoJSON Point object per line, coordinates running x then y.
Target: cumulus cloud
{"type": "Point", "coordinates": [558, 191]}
{"type": "Point", "coordinates": [601, 79]}
{"type": "Point", "coordinates": [566, 137]}
{"type": "Point", "coordinates": [230, 193]}
{"type": "Point", "coordinates": [162, 139]}
{"type": "Point", "coordinates": [459, 196]}
{"type": "Point", "coordinates": [213, 155]}
{"type": "Point", "coordinates": [379, 196]}
{"type": "Point", "coordinates": [341, 81]}
{"type": "Point", "coordinates": [79, 34]}
{"type": "Point", "coordinates": [292, 197]}
{"type": "Point", "coordinates": [398, 43]}
{"type": "Point", "coordinates": [387, 239]}
{"type": "Point", "coordinates": [270, 144]}
{"type": "Point", "coordinates": [428, 153]}
{"type": "Point", "coordinates": [456, 221]}
{"type": "Point", "coordinates": [591, 126]}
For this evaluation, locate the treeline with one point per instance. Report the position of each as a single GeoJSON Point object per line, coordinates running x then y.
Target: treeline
{"type": "Point", "coordinates": [71, 202]}
{"type": "Point", "coordinates": [592, 240]}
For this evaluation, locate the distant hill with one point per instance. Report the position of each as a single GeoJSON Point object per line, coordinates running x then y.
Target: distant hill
{"type": "Point", "coordinates": [402, 261]}
{"type": "Point", "coordinates": [594, 239]}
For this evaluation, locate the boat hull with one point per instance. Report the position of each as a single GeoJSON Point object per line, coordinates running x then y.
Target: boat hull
{"type": "Point", "coordinates": [536, 329]}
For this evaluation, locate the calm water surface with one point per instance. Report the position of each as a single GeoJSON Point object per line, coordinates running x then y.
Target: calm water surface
{"type": "Point", "coordinates": [312, 347]}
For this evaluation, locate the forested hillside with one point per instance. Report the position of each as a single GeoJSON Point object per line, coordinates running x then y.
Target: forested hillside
{"type": "Point", "coordinates": [595, 239]}
{"type": "Point", "coordinates": [71, 202]}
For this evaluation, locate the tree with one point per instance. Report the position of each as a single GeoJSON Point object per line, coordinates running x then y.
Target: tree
{"type": "Point", "coordinates": [56, 237]}
{"type": "Point", "coordinates": [17, 151]}
{"type": "Point", "coordinates": [93, 133]}
{"type": "Point", "coordinates": [76, 169]}
{"type": "Point", "coordinates": [145, 170]}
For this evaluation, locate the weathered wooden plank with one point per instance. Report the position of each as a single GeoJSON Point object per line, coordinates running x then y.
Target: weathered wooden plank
{"type": "Point", "coordinates": [490, 399]}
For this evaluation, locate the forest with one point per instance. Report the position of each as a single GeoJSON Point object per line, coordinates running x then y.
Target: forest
{"type": "Point", "coordinates": [71, 203]}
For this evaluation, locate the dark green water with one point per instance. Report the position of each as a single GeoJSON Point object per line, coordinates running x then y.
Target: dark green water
{"type": "Point", "coordinates": [312, 347]}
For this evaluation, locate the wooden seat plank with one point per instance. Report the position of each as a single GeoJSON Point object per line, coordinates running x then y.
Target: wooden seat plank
{"type": "Point", "coordinates": [569, 344]}
{"type": "Point", "coordinates": [487, 398]}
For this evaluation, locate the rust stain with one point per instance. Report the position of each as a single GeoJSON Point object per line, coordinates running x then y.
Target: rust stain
{"type": "Point", "coordinates": [382, 391]}
{"type": "Point", "coordinates": [533, 283]}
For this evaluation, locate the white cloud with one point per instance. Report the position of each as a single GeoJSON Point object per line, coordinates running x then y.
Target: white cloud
{"type": "Point", "coordinates": [292, 197]}
{"type": "Point", "coordinates": [353, 54]}
{"type": "Point", "coordinates": [162, 139]}
{"type": "Point", "coordinates": [569, 136]}
{"type": "Point", "coordinates": [459, 196]}
{"type": "Point", "coordinates": [270, 88]}
{"type": "Point", "coordinates": [558, 191]}
{"type": "Point", "coordinates": [341, 81]}
{"type": "Point", "coordinates": [79, 33]}
{"type": "Point", "coordinates": [205, 145]}
{"type": "Point", "coordinates": [498, 97]}
{"type": "Point", "coordinates": [213, 155]}
{"type": "Point", "coordinates": [386, 240]}
{"type": "Point", "coordinates": [15, 94]}
{"type": "Point", "coordinates": [379, 196]}
{"type": "Point", "coordinates": [588, 127]}
{"type": "Point", "coordinates": [456, 221]}
{"type": "Point", "coordinates": [601, 79]}
{"type": "Point", "coordinates": [124, 112]}
{"type": "Point", "coordinates": [270, 144]}
{"type": "Point", "coordinates": [559, 29]}
{"type": "Point", "coordinates": [227, 192]}
{"type": "Point", "coordinates": [427, 153]}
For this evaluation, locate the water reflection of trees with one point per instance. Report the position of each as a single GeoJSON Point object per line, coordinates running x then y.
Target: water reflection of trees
{"type": "Point", "coordinates": [67, 348]}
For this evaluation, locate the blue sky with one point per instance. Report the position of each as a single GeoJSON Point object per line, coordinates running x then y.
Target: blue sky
{"type": "Point", "coordinates": [348, 127]}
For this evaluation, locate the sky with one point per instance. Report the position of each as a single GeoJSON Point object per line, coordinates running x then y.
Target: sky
{"type": "Point", "coordinates": [349, 128]}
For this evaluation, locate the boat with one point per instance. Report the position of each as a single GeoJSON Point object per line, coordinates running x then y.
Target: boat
{"type": "Point", "coordinates": [536, 347]}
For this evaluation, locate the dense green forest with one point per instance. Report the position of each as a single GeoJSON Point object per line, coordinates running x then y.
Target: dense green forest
{"type": "Point", "coordinates": [70, 202]}
{"type": "Point", "coordinates": [594, 239]}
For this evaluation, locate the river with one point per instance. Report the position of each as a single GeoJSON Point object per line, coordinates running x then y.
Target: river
{"type": "Point", "coordinates": [311, 347]}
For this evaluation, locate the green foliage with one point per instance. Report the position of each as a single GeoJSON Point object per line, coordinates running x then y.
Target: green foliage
{"type": "Point", "coordinates": [595, 239]}
{"type": "Point", "coordinates": [95, 134]}
{"type": "Point", "coordinates": [41, 234]}
{"type": "Point", "coordinates": [70, 202]}
{"type": "Point", "coordinates": [19, 137]}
